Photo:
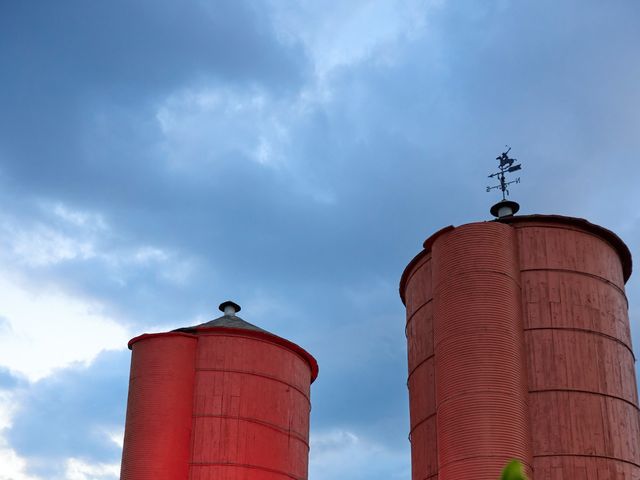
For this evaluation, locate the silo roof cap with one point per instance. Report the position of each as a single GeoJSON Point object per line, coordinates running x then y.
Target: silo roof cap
{"type": "Point", "coordinates": [228, 320]}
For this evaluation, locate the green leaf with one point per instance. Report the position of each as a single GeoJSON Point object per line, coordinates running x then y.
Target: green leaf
{"type": "Point", "coordinates": [513, 471]}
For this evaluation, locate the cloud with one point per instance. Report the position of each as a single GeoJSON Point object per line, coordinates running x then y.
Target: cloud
{"type": "Point", "coordinates": [8, 381]}
{"type": "Point", "coordinates": [78, 253]}
{"type": "Point", "coordinates": [13, 466]}
{"type": "Point", "coordinates": [339, 34]}
{"type": "Point", "coordinates": [195, 122]}
{"type": "Point", "coordinates": [342, 454]}
{"type": "Point", "coordinates": [154, 49]}
{"type": "Point", "coordinates": [88, 107]}
{"type": "Point", "coordinates": [79, 470]}
{"type": "Point", "coordinates": [73, 419]}
{"type": "Point", "coordinates": [49, 329]}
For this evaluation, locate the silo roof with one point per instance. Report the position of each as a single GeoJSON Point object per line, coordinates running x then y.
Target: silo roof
{"type": "Point", "coordinates": [225, 321]}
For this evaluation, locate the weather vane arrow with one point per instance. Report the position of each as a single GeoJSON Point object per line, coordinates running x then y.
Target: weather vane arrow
{"type": "Point", "coordinates": [505, 207]}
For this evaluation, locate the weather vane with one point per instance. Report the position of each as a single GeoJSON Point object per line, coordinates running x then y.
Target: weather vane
{"type": "Point", "coordinates": [506, 166]}
{"type": "Point", "coordinates": [505, 207]}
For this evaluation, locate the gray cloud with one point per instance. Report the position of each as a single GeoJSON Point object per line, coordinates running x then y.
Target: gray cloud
{"type": "Point", "coordinates": [71, 414]}
{"type": "Point", "coordinates": [88, 71]}
{"type": "Point", "coordinates": [9, 381]}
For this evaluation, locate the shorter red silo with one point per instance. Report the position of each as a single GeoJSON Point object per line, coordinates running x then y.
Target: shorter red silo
{"type": "Point", "coordinates": [234, 404]}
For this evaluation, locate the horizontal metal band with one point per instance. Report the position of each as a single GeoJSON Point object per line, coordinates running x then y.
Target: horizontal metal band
{"type": "Point", "coordinates": [578, 272]}
{"type": "Point", "coordinates": [433, 475]}
{"type": "Point", "coordinates": [424, 360]}
{"type": "Point", "coordinates": [244, 465]}
{"type": "Point", "coordinates": [483, 456]}
{"type": "Point", "coordinates": [414, 314]}
{"type": "Point", "coordinates": [585, 330]}
{"type": "Point", "coordinates": [273, 426]}
{"type": "Point", "coordinates": [420, 423]}
{"type": "Point", "coordinates": [589, 392]}
{"type": "Point", "coordinates": [247, 372]}
{"type": "Point", "coordinates": [585, 455]}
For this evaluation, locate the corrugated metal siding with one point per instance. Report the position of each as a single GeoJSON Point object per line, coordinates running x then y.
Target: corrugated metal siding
{"type": "Point", "coordinates": [421, 381]}
{"type": "Point", "coordinates": [158, 424]}
{"type": "Point", "coordinates": [482, 415]}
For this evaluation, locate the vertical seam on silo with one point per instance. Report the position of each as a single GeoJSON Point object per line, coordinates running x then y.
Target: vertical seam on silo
{"type": "Point", "coordinates": [193, 406]}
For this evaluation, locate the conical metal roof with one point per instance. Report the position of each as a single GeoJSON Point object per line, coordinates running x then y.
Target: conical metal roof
{"type": "Point", "coordinates": [228, 321]}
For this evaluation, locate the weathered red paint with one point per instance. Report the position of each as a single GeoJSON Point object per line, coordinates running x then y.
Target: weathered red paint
{"type": "Point", "coordinates": [526, 314]}
{"type": "Point", "coordinates": [582, 387]}
{"type": "Point", "coordinates": [251, 409]}
{"type": "Point", "coordinates": [241, 403]}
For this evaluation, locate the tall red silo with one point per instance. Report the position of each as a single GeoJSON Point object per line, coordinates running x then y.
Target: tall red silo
{"type": "Point", "coordinates": [221, 400]}
{"type": "Point", "coordinates": [519, 347]}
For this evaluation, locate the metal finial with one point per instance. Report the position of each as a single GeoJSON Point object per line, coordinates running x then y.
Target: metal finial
{"type": "Point", "coordinates": [229, 307]}
{"type": "Point", "coordinates": [506, 166]}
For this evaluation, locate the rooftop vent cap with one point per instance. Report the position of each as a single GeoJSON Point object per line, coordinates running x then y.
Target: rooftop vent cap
{"type": "Point", "coordinates": [229, 308]}
{"type": "Point", "coordinates": [505, 208]}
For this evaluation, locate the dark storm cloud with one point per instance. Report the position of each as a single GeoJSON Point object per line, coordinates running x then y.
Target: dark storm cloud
{"type": "Point", "coordinates": [67, 65]}
{"type": "Point", "coordinates": [71, 414]}
{"type": "Point", "coordinates": [129, 45]}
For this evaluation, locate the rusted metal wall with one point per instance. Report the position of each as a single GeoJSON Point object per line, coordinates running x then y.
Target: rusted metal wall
{"type": "Point", "coordinates": [159, 408]}
{"type": "Point", "coordinates": [534, 304]}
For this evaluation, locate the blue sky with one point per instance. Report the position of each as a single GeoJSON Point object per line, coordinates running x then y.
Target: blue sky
{"type": "Point", "coordinates": [159, 157]}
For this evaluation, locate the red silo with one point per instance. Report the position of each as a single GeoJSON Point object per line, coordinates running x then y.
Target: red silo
{"type": "Point", "coordinates": [221, 400]}
{"type": "Point", "coordinates": [519, 347]}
